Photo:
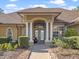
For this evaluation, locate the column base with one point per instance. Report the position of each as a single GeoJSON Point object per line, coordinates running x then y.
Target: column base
{"type": "Point", "coordinates": [47, 40]}
{"type": "Point", "coordinates": [31, 43]}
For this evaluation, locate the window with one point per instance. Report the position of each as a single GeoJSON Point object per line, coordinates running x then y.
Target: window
{"type": "Point", "coordinates": [55, 34]}
{"type": "Point", "coordinates": [9, 34]}
{"type": "Point", "coordinates": [58, 31]}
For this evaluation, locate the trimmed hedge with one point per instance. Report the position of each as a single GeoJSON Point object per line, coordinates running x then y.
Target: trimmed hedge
{"type": "Point", "coordinates": [73, 41]}
{"type": "Point", "coordinates": [5, 44]}
{"type": "Point", "coordinates": [67, 42]}
{"type": "Point", "coordinates": [23, 41]}
{"type": "Point", "coordinates": [3, 40]}
{"type": "Point", "coordinates": [57, 42]}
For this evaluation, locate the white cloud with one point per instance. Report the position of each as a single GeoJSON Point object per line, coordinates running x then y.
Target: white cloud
{"type": "Point", "coordinates": [75, 0]}
{"type": "Point", "coordinates": [13, 10]}
{"type": "Point", "coordinates": [13, 0]}
{"type": "Point", "coordinates": [10, 6]}
{"type": "Point", "coordinates": [40, 5]}
{"type": "Point", "coordinates": [57, 2]}
{"type": "Point", "coordinates": [70, 7]}
{"type": "Point", "coordinates": [13, 7]}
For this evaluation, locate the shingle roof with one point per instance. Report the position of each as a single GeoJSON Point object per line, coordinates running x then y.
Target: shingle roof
{"type": "Point", "coordinates": [40, 9]}
{"type": "Point", "coordinates": [68, 16]}
{"type": "Point", "coordinates": [12, 18]}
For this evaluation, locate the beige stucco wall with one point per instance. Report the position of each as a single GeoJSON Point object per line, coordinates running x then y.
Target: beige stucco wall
{"type": "Point", "coordinates": [18, 30]}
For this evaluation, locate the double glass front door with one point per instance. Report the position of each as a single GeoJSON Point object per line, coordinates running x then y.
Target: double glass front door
{"type": "Point", "coordinates": [40, 35]}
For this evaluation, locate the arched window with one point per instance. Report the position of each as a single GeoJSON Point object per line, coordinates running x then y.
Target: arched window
{"type": "Point", "coordinates": [9, 34]}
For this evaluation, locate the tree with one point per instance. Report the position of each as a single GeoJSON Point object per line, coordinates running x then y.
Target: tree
{"type": "Point", "coordinates": [77, 8]}
{"type": "Point", "coordinates": [1, 10]}
{"type": "Point", "coordinates": [71, 32]}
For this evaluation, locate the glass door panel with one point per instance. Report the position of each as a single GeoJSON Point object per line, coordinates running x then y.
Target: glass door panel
{"type": "Point", "coordinates": [42, 35]}
{"type": "Point", "coordinates": [37, 34]}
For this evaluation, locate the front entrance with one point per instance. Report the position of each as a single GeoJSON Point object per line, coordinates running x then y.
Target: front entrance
{"type": "Point", "coordinates": [39, 31]}
{"type": "Point", "coordinates": [40, 35]}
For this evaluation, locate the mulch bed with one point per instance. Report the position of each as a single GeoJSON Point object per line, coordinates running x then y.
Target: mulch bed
{"type": "Point", "coordinates": [61, 53]}
{"type": "Point", "coordinates": [18, 54]}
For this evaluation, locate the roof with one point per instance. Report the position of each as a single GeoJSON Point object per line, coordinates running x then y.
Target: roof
{"type": "Point", "coordinates": [76, 21]}
{"type": "Point", "coordinates": [65, 15]}
{"type": "Point", "coordinates": [40, 9]}
{"type": "Point", "coordinates": [68, 16]}
{"type": "Point", "coordinates": [12, 18]}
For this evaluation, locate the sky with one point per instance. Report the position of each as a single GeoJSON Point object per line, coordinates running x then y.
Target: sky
{"type": "Point", "coordinates": [14, 5]}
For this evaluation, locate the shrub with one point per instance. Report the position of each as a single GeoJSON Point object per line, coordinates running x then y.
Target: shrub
{"type": "Point", "coordinates": [15, 46]}
{"type": "Point", "coordinates": [8, 46]}
{"type": "Point", "coordinates": [23, 41]}
{"type": "Point", "coordinates": [67, 42]}
{"type": "Point", "coordinates": [71, 32]}
{"type": "Point", "coordinates": [2, 47]}
{"type": "Point", "coordinates": [57, 42]}
{"type": "Point", "coordinates": [3, 40]}
{"type": "Point", "coordinates": [73, 41]}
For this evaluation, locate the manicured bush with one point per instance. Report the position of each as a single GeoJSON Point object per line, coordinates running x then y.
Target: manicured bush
{"type": "Point", "coordinates": [23, 41]}
{"type": "Point", "coordinates": [67, 42]}
{"type": "Point", "coordinates": [57, 42]}
{"type": "Point", "coordinates": [60, 43]}
{"type": "Point", "coordinates": [73, 41]}
{"type": "Point", "coordinates": [71, 32]}
{"type": "Point", "coordinates": [3, 40]}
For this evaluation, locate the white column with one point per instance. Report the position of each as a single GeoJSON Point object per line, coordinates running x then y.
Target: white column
{"type": "Point", "coordinates": [31, 39]}
{"type": "Point", "coordinates": [51, 31]}
{"type": "Point", "coordinates": [27, 29]}
{"type": "Point", "coordinates": [47, 32]}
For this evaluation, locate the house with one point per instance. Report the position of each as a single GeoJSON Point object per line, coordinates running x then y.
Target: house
{"type": "Point", "coordinates": [42, 23]}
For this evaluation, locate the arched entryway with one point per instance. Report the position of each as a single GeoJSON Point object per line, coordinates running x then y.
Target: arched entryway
{"type": "Point", "coordinates": [39, 28]}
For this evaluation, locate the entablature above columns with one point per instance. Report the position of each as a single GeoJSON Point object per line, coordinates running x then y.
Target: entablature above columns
{"type": "Point", "coordinates": [31, 18]}
{"type": "Point", "coordinates": [40, 13]}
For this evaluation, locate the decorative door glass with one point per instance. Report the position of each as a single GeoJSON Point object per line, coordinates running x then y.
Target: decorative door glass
{"type": "Point", "coordinates": [42, 35]}
{"type": "Point", "coordinates": [36, 34]}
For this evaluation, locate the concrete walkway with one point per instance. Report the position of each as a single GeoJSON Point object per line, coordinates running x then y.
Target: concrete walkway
{"type": "Point", "coordinates": [39, 52]}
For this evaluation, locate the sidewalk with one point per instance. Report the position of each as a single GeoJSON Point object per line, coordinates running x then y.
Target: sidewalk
{"type": "Point", "coordinates": [40, 52]}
